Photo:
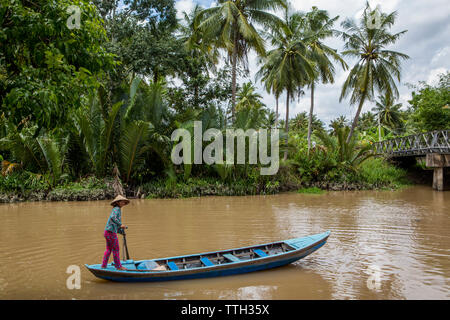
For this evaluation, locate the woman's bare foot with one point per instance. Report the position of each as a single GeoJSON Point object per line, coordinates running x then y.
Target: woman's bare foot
{"type": "Point", "coordinates": [121, 268]}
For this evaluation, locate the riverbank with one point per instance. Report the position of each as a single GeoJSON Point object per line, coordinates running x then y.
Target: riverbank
{"type": "Point", "coordinates": [86, 189]}
{"type": "Point", "coordinates": [91, 188]}
{"type": "Point", "coordinates": [158, 191]}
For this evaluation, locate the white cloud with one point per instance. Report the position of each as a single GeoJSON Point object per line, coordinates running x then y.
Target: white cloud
{"type": "Point", "coordinates": [441, 57]}
{"type": "Point", "coordinates": [183, 6]}
{"type": "Point", "coordinates": [433, 75]}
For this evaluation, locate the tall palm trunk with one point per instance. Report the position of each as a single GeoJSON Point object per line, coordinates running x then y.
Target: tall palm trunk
{"type": "Point", "coordinates": [310, 116]}
{"type": "Point", "coordinates": [276, 111]}
{"type": "Point", "coordinates": [361, 102]}
{"type": "Point", "coordinates": [233, 75]}
{"type": "Point", "coordinates": [355, 120]}
{"type": "Point", "coordinates": [287, 124]}
{"type": "Point", "coordinates": [379, 128]}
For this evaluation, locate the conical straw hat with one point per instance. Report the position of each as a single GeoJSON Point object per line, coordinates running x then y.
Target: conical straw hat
{"type": "Point", "coordinates": [119, 198]}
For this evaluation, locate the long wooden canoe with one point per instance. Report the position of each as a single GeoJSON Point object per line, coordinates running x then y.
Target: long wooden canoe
{"type": "Point", "coordinates": [214, 264]}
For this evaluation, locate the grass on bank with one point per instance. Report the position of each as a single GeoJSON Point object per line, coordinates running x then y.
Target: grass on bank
{"type": "Point", "coordinates": [381, 174]}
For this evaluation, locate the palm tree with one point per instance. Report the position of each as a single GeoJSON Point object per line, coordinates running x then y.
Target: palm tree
{"type": "Point", "coordinates": [194, 39]}
{"type": "Point", "coordinates": [388, 114]}
{"type": "Point", "coordinates": [37, 152]}
{"type": "Point", "coordinates": [248, 98]}
{"type": "Point", "coordinates": [301, 121]}
{"type": "Point", "coordinates": [132, 145]}
{"type": "Point", "coordinates": [319, 26]}
{"type": "Point", "coordinates": [271, 84]}
{"type": "Point", "coordinates": [146, 126]}
{"type": "Point", "coordinates": [23, 146]}
{"type": "Point", "coordinates": [377, 68]}
{"type": "Point", "coordinates": [96, 131]}
{"type": "Point", "coordinates": [288, 65]}
{"type": "Point", "coordinates": [351, 154]}
{"type": "Point", "coordinates": [271, 120]}
{"type": "Point", "coordinates": [367, 121]}
{"type": "Point", "coordinates": [231, 26]}
{"type": "Point", "coordinates": [339, 122]}
{"type": "Point", "coordinates": [201, 56]}
{"type": "Point", "coordinates": [54, 148]}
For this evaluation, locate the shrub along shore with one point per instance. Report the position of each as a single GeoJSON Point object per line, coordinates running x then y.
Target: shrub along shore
{"type": "Point", "coordinates": [374, 174]}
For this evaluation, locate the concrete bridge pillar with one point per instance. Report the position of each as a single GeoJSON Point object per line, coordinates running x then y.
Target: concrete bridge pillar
{"type": "Point", "coordinates": [438, 162]}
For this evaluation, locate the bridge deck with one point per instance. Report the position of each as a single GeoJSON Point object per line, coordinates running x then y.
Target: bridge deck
{"type": "Point", "coordinates": [435, 145]}
{"type": "Point", "coordinates": [416, 145]}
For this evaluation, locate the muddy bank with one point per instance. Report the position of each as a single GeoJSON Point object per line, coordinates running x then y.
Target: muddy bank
{"type": "Point", "coordinates": [58, 195]}
{"type": "Point", "coordinates": [181, 190]}
{"type": "Point", "coordinates": [348, 186]}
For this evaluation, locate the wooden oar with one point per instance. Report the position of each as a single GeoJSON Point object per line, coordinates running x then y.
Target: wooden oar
{"type": "Point", "coordinates": [125, 247]}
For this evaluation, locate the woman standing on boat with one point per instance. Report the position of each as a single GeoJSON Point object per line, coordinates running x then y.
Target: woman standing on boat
{"type": "Point", "coordinates": [114, 226]}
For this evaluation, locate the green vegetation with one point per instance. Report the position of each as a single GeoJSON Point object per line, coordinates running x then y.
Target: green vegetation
{"type": "Point", "coordinates": [89, 188]}
{"type": "Point", "coordinates": [430, 108]}
{"type": "Point", "coordinates": [24, 185]}
{"type": "Point", "coordinates": [76, 103]}
{"type": "Point", "coordinates": [196, 187]}
{"type": "Point", "coordinates": [379, 173]}
{"type": "Point", "coordinates": [312, 190]}
{"type": "Point", "coordinates": [46, 68]}
{"type": "Point", "coordinates": [336, 164]}
{"type": "Point", "coordinates": [230, 26]}
{"type": "Point", "coordinates": [378, 67]}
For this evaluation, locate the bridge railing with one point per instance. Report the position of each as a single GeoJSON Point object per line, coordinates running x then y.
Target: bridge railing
{"type": "Point", "coordinates": [418, 144]}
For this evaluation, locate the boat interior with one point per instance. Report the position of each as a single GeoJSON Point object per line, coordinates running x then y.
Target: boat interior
{"type": "Point", "coordinates": [215, 258]}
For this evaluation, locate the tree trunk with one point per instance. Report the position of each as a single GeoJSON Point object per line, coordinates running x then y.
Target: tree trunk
{"type": "Point", "coordinates": [233, 75]}
{"type": "Point", "coordinates": [276, 111]}
{"type": "Point", "coordinates": [379, 128]}
{"type": "Point", "coordinates": [310, 116]}
{"type": "Point", "coordinates": [287, 124]}
{"type": "Point", "coordinates": [117, 184]}
{"type": "Point", "coordinates": [196, 97]}
{"type": "Point", "coordinates": [355, 120]}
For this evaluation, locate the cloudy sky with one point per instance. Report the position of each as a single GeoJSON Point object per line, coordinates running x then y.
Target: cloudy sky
{"type": "Point", "coordinates": [426, 42]}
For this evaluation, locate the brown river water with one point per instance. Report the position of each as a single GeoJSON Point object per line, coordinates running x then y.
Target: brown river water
{"type": "Point", "coordinates": [383, 245]}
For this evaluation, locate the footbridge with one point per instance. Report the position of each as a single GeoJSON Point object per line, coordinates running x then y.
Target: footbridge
{"type": "Point", "coordinates": [434, 146]}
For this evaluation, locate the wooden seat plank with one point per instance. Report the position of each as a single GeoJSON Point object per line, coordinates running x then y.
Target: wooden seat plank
{"type": "Point", "coordinates": [260, 253]}
{"type": "Point", "coordinates": [172, 265]}
{"type": "Point", "coordinates": [207, 262]}
{"type": "Point", "coordinates": [231, 257]}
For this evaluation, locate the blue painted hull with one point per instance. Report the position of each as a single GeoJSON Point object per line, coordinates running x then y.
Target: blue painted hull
{"type": "Point", "coordinates": [302, 247]}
